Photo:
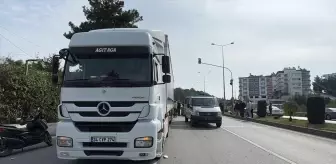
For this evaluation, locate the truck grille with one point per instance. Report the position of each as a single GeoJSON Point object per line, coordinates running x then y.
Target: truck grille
{"type": "Point", "coordinates": [105, 126]}
{"type": "Point", "coordinates": [112, 103]}
{"type": "Point", "coordinates": [208, 113]}
{"type": "Point", "coordinates": [111, 114]}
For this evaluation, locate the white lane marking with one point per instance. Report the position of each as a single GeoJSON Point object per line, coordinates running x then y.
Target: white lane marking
{"type": "Point", "coordinates": [260, 147]}
{"type": "Point", "coordinates": [233, 126]}
{"type": "Point", "coordinates": [259, 125]}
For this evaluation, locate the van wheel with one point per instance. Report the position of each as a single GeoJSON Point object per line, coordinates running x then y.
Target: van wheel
{"type": "Point", "coordinates": [185, 119]}
{"type": "Point", "coordinates": [218, 125]}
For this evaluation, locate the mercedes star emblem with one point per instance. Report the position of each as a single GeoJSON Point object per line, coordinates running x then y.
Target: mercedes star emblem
{"type": "Point", "coordinates": [103, 108]}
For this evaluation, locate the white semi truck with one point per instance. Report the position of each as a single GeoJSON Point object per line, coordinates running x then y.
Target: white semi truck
{"type": "Point", "coordinates": [117, 95]}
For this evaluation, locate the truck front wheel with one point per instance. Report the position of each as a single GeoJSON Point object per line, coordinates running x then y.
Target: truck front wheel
{"type": "Point", "coordinates": [185, 119]}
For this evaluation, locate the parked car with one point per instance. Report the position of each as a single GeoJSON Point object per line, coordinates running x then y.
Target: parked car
{"type": "Point", "coordinates": [330, 113]}
{"type": "Point", "coordinates": [275, 111]}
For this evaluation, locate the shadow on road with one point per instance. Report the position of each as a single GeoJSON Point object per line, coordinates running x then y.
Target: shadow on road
{"type": "Point", "coordinates": [85, 161]}
{"type": "Point", "coordinates": [29, 149]}
{"type": "Point", "coordinates": [187, 126]}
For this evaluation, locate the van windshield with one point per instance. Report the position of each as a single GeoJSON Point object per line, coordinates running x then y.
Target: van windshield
{"type": "Point", "coordinates": [206, 102]}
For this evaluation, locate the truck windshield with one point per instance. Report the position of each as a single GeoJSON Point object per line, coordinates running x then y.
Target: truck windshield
{"type": "Point", "coordinates": [208, 102]}
{"type": "Point", "coordinates": [108, 70]}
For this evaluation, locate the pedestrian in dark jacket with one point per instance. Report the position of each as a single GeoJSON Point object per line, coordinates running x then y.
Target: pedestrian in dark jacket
{"type": "Point", "coordinates": [236, 108]}
{"type": "Point", "coordinates": [178, 108]}
{"type": "Point", "coordinates": [270, 108]}
{"type": "Point", "coordinates": [221, 106]}
{"type": "Point", "coordinates": [242, 106]}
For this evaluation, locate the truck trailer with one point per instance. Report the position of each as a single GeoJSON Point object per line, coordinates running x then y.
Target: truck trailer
{"type": "Point", "coordinates": [117, 95]}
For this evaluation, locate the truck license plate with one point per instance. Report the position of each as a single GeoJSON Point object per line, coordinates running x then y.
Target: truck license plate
{"type": "Point", "coordinates": [103, 139]}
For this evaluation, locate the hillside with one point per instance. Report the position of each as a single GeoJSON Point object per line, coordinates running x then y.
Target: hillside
{"type": "Point", "coordinates": [180, 93]}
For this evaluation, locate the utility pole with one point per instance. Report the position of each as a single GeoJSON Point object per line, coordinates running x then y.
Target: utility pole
{"type": "Point", "coordinates": [204, 80]}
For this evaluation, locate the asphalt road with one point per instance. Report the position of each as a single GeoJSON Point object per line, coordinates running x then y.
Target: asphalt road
{"type": "Point", "coordinates": [237, 142]}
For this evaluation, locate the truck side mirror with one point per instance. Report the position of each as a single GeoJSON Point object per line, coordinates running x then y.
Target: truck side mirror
{"type": "Point", "coordinates": [166, 78]}
{"type": "Point", "coordinates": [55, 66]}
{"type": "Point", "coordinates": [165, 64]}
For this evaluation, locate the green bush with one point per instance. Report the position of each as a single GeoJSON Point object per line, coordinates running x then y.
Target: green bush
{"type": "Point", "coordinates": [290, 108]}
{"type": "Point", "coordinates": [20, 94]}
{"type": "Point", "coordinates": [316, 110]}
{"type": "Point", "coordinates": [262, 106]}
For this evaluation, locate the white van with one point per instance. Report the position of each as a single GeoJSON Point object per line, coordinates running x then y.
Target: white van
{"type": "Point", "coordinates": [202, 109]}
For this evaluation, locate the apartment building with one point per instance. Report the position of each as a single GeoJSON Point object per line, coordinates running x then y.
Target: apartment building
{"type": "Point", "coordinates": [288, 82]}
{"type": "Point", "coordinates": [253, 87]}
{"type": "Point", "coordinates": [327, 76]}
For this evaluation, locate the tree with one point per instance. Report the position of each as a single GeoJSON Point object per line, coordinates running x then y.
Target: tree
{"type": "Point", "coordinates": [290, 108]}
{"type": "Point", "coordinates": [105, 14]}
{"type": "Point", "coordinates": [326, 85]}
{"type": "Point", "coordinates": [180, 94]}
{"type": "Point", "coordinates": [20, 94]}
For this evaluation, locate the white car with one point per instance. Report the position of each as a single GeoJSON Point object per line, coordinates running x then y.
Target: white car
{"type": "Point", "coordinates": [275, 111]}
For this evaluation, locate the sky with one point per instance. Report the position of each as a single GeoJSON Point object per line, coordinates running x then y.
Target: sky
{"type": "Point", "coordinates": [268, 35]}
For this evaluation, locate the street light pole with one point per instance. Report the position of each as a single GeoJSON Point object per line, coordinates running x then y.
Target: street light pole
{"type": "Point", "coordinates": [204, 80]}
{"type": "Point", "coordinates": [222, 46]}
{"type": "Point", "coordinates": [223, 77]}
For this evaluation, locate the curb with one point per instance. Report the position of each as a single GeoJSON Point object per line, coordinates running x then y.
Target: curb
{"type": "Point", "coordinates": [321, 133]}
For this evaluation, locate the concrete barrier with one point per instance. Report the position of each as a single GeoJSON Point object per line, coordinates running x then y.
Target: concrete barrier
{"type": "Point", "coordinates": [321, 133]}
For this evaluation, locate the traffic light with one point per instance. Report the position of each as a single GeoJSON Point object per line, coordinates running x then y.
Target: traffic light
{"type": "Point", "coordinates": [231, 81]}
{"type": "Point", "coordinates": [199, 61]}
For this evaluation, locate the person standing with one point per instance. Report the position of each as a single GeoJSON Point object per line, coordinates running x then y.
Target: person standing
{"type": "Point", "coordinates": [178, 108]}
{"type": "Point", "coordinates": [270, 108]}
{"type": "Point", "coordinates": [242, 108]}
{"type": "Point", "coordinates": [250, 107]}
{"type": "Point", "coordinates": [236, 108]}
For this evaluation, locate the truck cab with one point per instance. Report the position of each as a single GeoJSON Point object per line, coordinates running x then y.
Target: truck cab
{"type": "Point", "coordinates": [201, 109]}
{"type": "Point", "coordinates": [116, 95]}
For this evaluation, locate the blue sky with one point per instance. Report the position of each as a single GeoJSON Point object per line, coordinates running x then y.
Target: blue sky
{"type": "Point", "coordinates": [268, 35]}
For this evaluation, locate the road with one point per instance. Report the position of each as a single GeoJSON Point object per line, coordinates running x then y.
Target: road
{"type": "Point", "coordinates": [236, 142]}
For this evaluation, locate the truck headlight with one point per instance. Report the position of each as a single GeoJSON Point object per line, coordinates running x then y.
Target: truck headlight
{"type": "Point", "coordinates": [143, 142]}
{"type": "Point", "coordinates": [64, 141]}
{"type": "Point", "coordinates": [219, 114]}
{"type": "Point", "coordinates": [196, 113]}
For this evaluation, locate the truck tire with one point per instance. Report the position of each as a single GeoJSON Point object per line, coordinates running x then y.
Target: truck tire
{"type": "Point", "coordinates": [185, 119]}
{"type": "Point", "coordinates": [218, 124]}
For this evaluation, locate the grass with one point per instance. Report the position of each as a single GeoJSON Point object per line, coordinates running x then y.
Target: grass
{"type": "Point", "coordinates": [301, 123]}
